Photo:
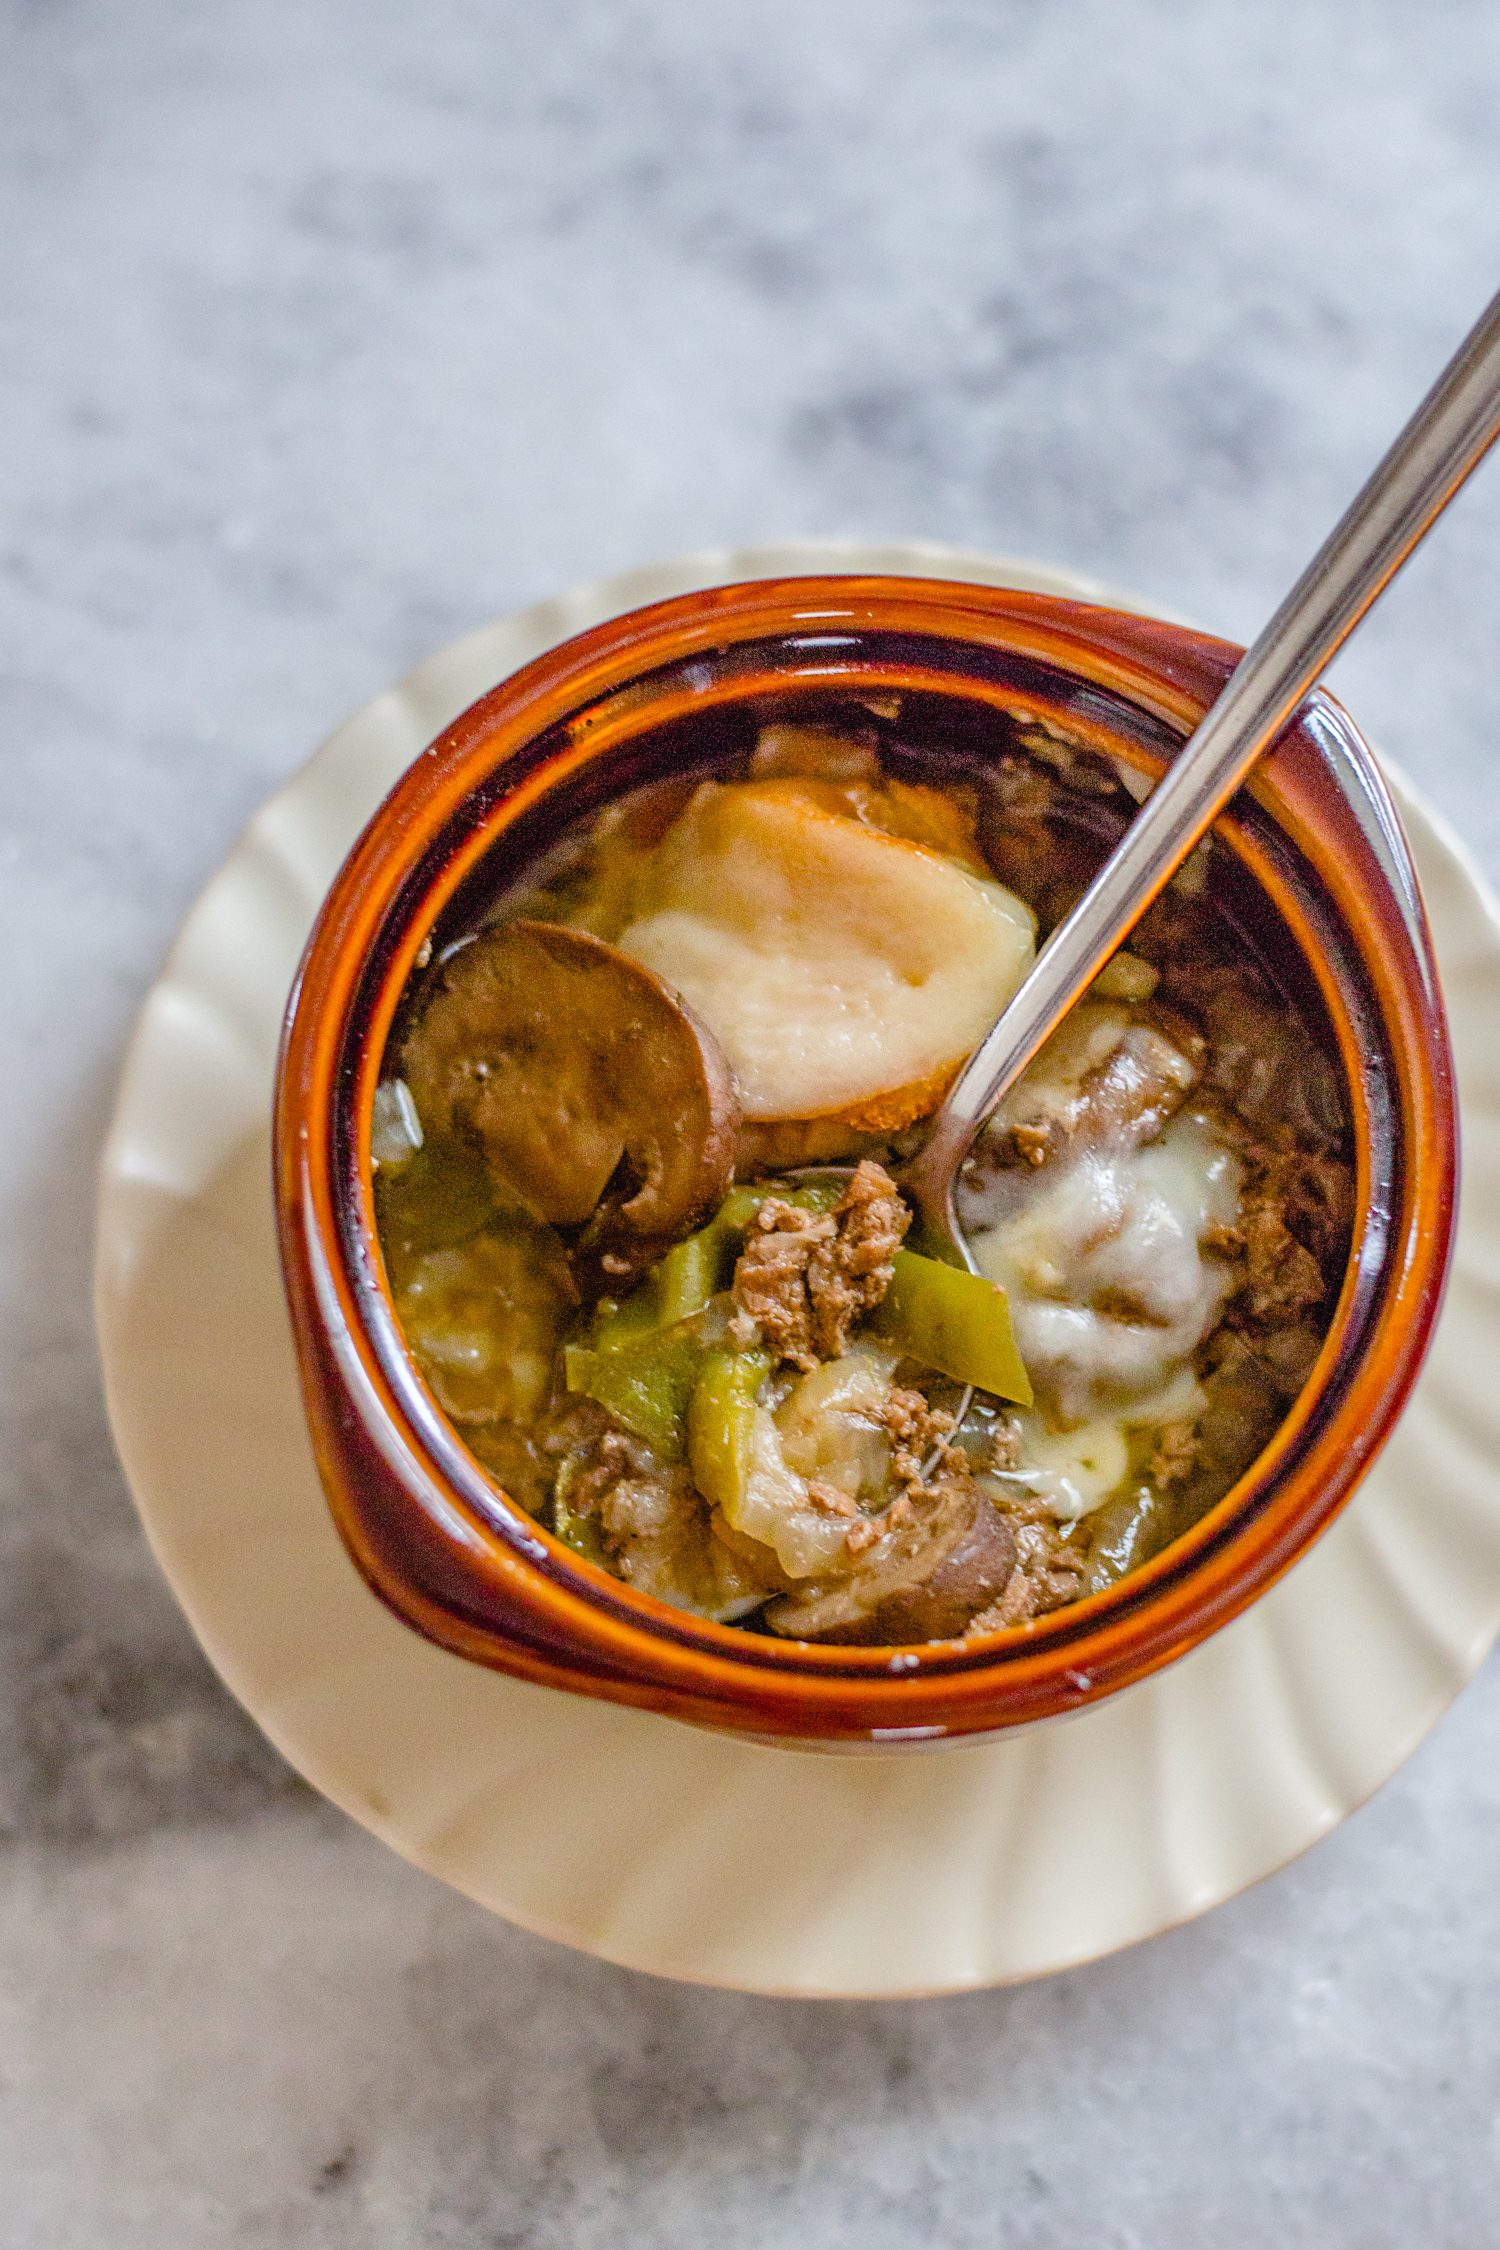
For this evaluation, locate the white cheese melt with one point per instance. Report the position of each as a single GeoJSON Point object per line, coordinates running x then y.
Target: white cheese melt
{"type": "Point", "coordinates": [1110, 1294]}
{"type": "Point", "coordinates": [1109, 1291]}
{"type": "Point", "coordinates": [835, 964]}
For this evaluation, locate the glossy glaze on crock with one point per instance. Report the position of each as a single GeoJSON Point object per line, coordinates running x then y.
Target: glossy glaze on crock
{"type": "Point", "coordinates": [432, 1532]}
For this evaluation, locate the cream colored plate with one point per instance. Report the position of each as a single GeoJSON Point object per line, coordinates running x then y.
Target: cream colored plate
{"type": "Point", "coordinates": [637, 1838]}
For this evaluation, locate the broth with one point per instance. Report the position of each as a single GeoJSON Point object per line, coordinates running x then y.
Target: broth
{"type": "Point", "coordinates": [748, 1413]}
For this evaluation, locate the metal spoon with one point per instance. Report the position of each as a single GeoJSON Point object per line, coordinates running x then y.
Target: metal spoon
{"type": "Point", "coordinates": [1446, 439]}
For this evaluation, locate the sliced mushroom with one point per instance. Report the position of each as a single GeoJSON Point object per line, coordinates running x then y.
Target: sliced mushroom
{"type": "Point", "coordinates": [923, 1582]}
{"type": "Point", "coordinates": [969, 1577]}
{"type": "Point", "coordinates": [600, 1102]}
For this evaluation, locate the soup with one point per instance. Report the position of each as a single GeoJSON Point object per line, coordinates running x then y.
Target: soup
{"type": "Point", "coordinates": [734, 1381]}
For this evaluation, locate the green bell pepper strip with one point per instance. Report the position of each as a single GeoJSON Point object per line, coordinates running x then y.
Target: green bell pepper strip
{"type": "Point", "coordinates": [954, 1321]}
{"type": "Point", "coordinates": [720, 1420]}
{"type": "Point", "coordinates": [646, 1385]}
{"type": "Point", "coordinates": [683, 1281]}
{"type": "Point", "coordinates": [624, 1320]}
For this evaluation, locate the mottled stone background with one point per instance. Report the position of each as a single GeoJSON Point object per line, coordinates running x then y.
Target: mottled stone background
{"type": "Point", "coordinates": [330, 331]}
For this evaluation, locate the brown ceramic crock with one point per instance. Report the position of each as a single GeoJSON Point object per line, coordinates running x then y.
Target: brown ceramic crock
{"type": "Point", "coordinates": [1320, 850]}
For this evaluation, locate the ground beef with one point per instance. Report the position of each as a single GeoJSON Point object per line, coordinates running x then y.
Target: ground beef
{"type": "Point", "coordinates": [916, 1427]}
{"type": "Point", "coordinates": [804, 1277]}
{"type": "Point", "coordinates": [647, 1513]}
{"type": "Point", "coordinates": [770, 1280]}
{"type": "Point", "coordinates": [1315, 1191]}
{"type": "Point", "coordinates": [1005, 1446]}
{"type": "Point", "coordinates": [637, 1508]}
{"type": "Point", "coordinates": [1176, 1451]}
{"type": "Point", "coordinates": [625, 1489]}
{"type": "Point", "coordinates": [830, 1499]}
{"type": "Point", "coordinates": [1282, 1280]}
{"type": "Point", "coordinates": [1295, 1212]}
{"type": "Point", "coordinates": [1015, 1606]}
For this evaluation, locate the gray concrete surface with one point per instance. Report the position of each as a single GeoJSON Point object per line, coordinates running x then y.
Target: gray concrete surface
{"type": "Point", "coordinates": [330, 331]}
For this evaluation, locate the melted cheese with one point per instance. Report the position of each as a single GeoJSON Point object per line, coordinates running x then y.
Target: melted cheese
{"type": "Point", "coordinates": [833, 962]}
{"type": "Point", "coordinates": [1075, 1470]}
{"type": "Point", "coordinates": [1109, 1291]}
{"type": "Point", "coordinates": [1110, 1294]}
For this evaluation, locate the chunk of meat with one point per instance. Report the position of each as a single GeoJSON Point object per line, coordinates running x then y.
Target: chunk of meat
{"type": "Point", "coordinates": [1005, 1447]}
{"type": "Point", "coordinates": [616, 1458]}
{"type": "Point", "coordinates": [1294, 1221]}
{"type": "Point", "coordinates": [1282, 1280]}
{"type": "Point", "coordinates": [770, 1279]}
{"type": "Point", "coordinates": [1101, 1080]}
{"type": "Point", "coordinates": [1175, 1453]}
{"type": "Point", "coordinates": [1017, 1603]}
{"type": "Point", "coordinates": [804, 1277]}
{"type": "Point", "coordinates": [654, 1529]}
{"type": "Point", "coordinates": [1316, 1193]}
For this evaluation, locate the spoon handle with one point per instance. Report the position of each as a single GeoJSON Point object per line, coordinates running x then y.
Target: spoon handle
{"type": "Point", "coordinates": [1445, 439]}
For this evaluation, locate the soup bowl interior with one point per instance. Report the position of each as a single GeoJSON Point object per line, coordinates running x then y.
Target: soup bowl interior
{"type": "Point", "coordinates": [1309, 866]}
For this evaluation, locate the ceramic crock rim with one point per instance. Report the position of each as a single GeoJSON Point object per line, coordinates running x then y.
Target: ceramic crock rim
{"type": "Point", "coordinates": [1116, 649]}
